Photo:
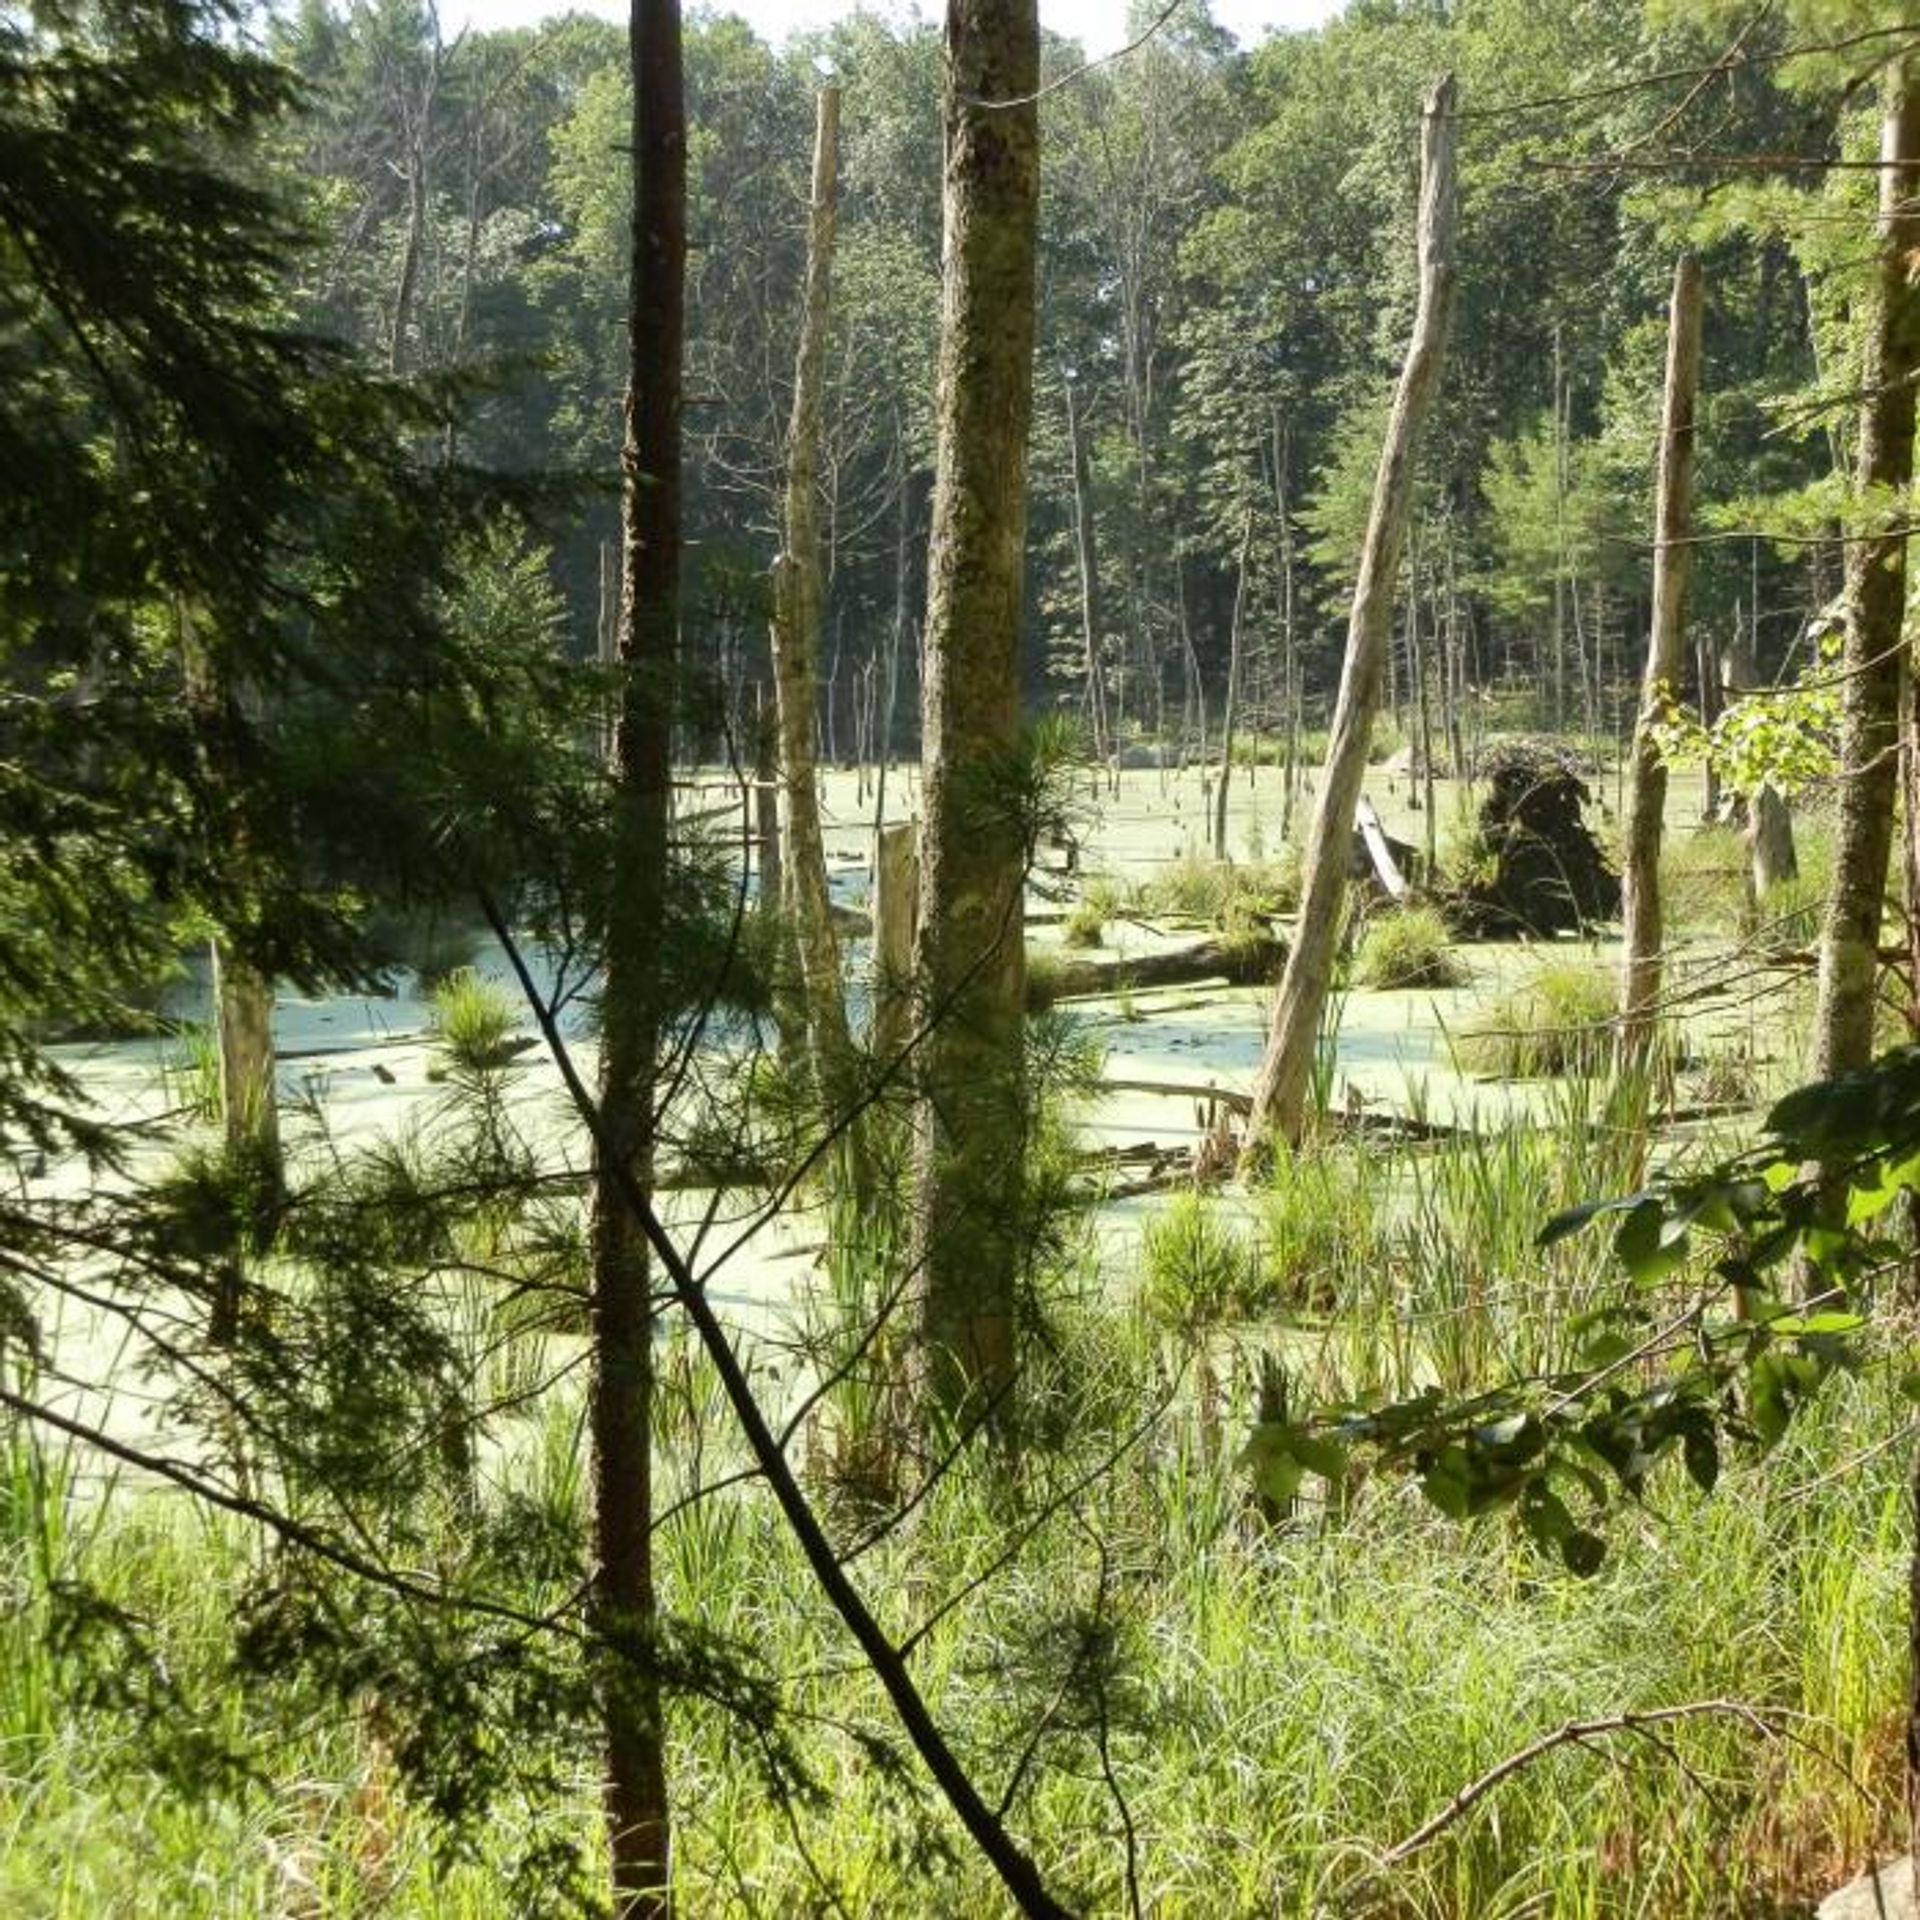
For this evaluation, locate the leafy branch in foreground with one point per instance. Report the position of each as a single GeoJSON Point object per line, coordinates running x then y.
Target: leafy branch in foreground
{"type": "Point", "coordinates": [1749, 1287]}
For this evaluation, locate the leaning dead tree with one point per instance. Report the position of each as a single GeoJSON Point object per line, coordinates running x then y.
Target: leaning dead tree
{"type": "Point", "coordinates": [1666, 662]}
{"type": "Point", "coordinates": [1280, 1095]}
{"type": "Point", "coordinates": [1874, 659]}
{"type": "Point", "coordinates": [799, 595]}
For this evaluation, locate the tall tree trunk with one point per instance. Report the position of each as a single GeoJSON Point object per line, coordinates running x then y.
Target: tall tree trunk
{"type": "Point", "coordinates": [970, 954]}
{"type": "Point", "coordinates": [1418, 650]}
{"type": "Point", "coordinates": [898, 635]}
{"type": "Point", "coordinates": [1096, 699]}
{"type": "Point", "coordinates": [635, 989]}
{"type": "Point", "coordinates": [1236, 649]}
{"type": "Point", "coordinates": [1710, 710]}
{"type": "Point", "coordinates": [1666, 663]}
{"type": "Point", "coordinates": [770, 896]}
{"type": "Point", "coordinates": [799, 600]}
{"type": "Point", "coordinates": [1876, 589]}
{"type": "Point", "coordinates": [1294, 695]}
{"type": "Point", "coordinates": [1280, 1094]}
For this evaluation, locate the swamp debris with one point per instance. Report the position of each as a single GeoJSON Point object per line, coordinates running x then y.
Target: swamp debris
{"type": "Point", "coordinates": [1535, 867]}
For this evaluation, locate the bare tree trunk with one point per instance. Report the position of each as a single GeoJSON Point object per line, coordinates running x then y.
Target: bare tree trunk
{"type": "Point", "coordinates": [1666, 662]}
{"type": "Point", "coordinates": [634, 999]}
{"type": "Point", "coordinates": [970, 958]}
{"type": "Point", "coordinates": [1456, 676]}
{"type": "Point", "coordinates": [766, 805]}
{"type": "Point", "coordinates": [1095, 695]}
{"type": "Point", "coordinates": [1771, 859]}
{"type": "Point", "coordinates": [1236, 648]}
{"type": "Point", "coordinates": [1710, 710]}
{"type": "Point", "coordinates": [897, 638]}
{"type": "Point", "coordinates": [1417, 660]}
{"type": "Point", "coordinates": [607, 644]}
{"type": "Point", "coordinates": [799, 599]}
{"type": "Point", "coordinates": [1280, 1093]}
{"type": "Point", "coordinates": [896, 908]}
{"type": "Point", "coordinates": [1876, 588]}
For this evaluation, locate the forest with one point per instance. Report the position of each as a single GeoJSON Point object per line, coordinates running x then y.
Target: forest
{"type": "Point", "coordinates": [941, 979]}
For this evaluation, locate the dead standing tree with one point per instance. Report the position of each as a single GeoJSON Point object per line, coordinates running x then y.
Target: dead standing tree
{"type": "Point", "coordinates": [1666, 661]}
{"type": "Point", "coordinates": [799, 597]}
{"type": "Point", "coordinates": [1280, 1094]}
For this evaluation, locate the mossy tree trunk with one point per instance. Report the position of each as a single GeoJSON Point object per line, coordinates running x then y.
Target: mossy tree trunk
{"type": "Point", "coordinates": [970, 954]}
{"type": "Point", "coordinates": [1666, 663]}
{"type": "Point", "coordinates": [636, 989]}
{"type": "Point", "coordinates": [1874, 662]}
{"type": "Point", "coordinates": [1280, 1093]}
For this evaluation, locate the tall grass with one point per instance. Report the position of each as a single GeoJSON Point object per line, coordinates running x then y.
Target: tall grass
{"type": "Point", "coordinates": [1275, 1708]}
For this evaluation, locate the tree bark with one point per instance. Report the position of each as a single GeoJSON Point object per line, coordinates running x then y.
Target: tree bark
{"type": "Point", "coordinates": [1666, 663]}
{"type": "Point", "coordinates": [766, 804]}
{"type": "Point", "coordinates": [635, 991]}
{"type": "Point", "coordinates": [1088, 554]}
{"type": "Point", "coordinates": [896, 907]}
{"type": "Point", "coordinates": [1285, 1073]}
{"type": "Point", "coordinates": [1874, 659]}
{"type": "Point", "coordinates": [799, 600]}
{"type": "Point", "coordinates": [1230, 711]}
{"type": "Point", "coordinates": [970, 956]}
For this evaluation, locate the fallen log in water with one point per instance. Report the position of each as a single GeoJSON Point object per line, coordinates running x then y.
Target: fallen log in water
{"type": "Point", "coordinates": [1255, 962]}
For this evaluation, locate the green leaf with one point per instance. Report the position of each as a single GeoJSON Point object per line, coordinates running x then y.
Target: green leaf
{"type": "Point", "coordinates": [1564, 1225]}
{"type": "Point", "coordinates": [1324, 1457]}
{"type": "Point", "coordinates": [1447, 1482]}
{"type": "Point", "coordinates": [1583, 1552]}
{"type": "Point", "coordinates": [1650, 1244]}
{"type": "Point", "coordinates": [1700, 1449]}
{"type": "Point", "coordinates": [1795, 1326]}
{"type": "Point", "coordinates": [1545, 1516]}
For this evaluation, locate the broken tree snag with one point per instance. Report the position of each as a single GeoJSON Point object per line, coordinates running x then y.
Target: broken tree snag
{"type": "Point", "coordinates": [1666, 662]}
{"type": "Point", "coordinates": [896, 907]}
{"type": "Point", "coordinates": [1873, 664]}
{"type": "Point", "coordinates": [1280, 1094]}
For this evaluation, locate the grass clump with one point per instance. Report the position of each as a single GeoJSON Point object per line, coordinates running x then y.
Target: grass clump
{"type": "Point", "coordinates": [1557, 1023]}
{"type": "Point", "coordinates": [472, 1020]}
{"type": "Point", "coordinates": [1323, 1223]}
{"type": "Point", "coordinates": [1703, 881]}
{"type": "Point", "coordinates": [1084, 926]}
{"type": "Point", "coordinates": [1196, 1269]}
{"type": "Point", "coordinates": [1408, 947]}
{"type": "Point", "coordinates": [1214, 892]}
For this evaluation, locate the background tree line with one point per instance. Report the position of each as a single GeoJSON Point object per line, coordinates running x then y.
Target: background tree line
{"type": "Point", "coordinates": [1225, 270]}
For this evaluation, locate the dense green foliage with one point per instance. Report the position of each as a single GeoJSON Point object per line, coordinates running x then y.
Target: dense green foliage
{"type": "Point", "coordinates": [311, 368]}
